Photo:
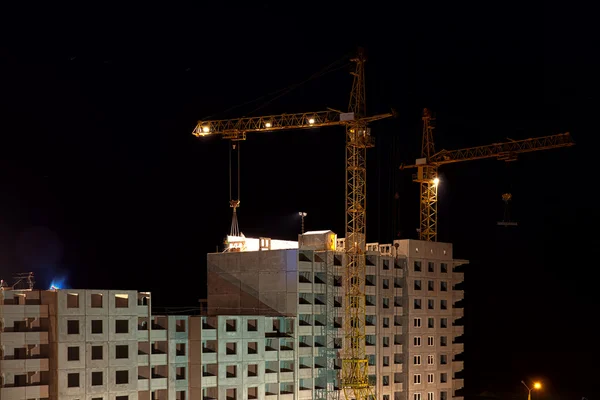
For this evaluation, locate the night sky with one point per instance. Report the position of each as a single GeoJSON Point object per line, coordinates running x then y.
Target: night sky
{"type": "Point", "coordinates": [102, 183]}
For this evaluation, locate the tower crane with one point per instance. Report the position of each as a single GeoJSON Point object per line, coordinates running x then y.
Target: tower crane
{"type": "Point", "coordinates": [427, 166]}
{"type": "Point", "coordinates": [354, 376]}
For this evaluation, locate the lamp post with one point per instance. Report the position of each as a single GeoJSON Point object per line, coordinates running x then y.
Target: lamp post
{"type": "Point", "coordinates": [536, 386]}
{"type": "Point", "coordinates": [302, 215]}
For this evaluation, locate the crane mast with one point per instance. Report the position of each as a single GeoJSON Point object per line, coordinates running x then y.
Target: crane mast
{"type": "Point", "coordinates": [354, 375]}
{"type": "Point", "coordinates": [427, 178]}
{"type": "Point", "coordinates": [427, 166]}
{"type": "Point", "coordinates": [355, 366]}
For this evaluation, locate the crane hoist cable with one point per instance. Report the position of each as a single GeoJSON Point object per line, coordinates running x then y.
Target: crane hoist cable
{"type": "Point", "coordinates": [234, 203]}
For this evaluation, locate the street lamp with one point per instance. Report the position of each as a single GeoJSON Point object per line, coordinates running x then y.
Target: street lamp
{"type": "Point", "coordinates": [302, 215]}
{"type": "Point", "coordinates": [536, 386]}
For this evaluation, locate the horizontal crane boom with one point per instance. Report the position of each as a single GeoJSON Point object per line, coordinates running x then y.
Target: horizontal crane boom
{"type": "Point", "coordinates": [502, 151]}
{"type": "Point", "coordinates": [236, 129]}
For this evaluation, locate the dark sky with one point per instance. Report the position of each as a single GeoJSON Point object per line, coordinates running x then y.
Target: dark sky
{"type": "Point", "coordinates": [102, 181]}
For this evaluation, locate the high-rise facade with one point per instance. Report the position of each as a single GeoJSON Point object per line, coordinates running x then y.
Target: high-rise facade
{"type": "Point", "coordinates": [413, 312]}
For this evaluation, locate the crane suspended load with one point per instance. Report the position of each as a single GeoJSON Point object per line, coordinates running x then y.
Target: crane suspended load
{"type": "Point", "coordinates": [506, 222]}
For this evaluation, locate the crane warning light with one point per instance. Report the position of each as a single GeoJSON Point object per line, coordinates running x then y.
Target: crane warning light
{"type": "Point", "coordinates": [436, 181]}
{"type": "Point", "coordinates": [311, 121]}
{"type": "Point", "coordinates": [205, 129]}
{"type": "Point", "coordinates": [268, 125]}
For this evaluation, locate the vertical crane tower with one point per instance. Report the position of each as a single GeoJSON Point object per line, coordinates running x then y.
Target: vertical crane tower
{"type": "Point", "coordinates": [354, 375]}
{"type": "Point", "coordinates": [355, 366]}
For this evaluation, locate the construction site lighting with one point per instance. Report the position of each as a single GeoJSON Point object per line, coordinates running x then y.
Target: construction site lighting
{"type": "Point", "coordinates": [436, 181]}
{"type": "Point", "coordinates": [311, 121]}
{"type": "Point", "coordinates": [267, 125]}
{"type": "Point", "coordinates": [205, 129]}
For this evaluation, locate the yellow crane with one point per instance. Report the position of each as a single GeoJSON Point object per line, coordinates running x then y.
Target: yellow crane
{"type": "Point", "coordinates": [354, 376]}
{"type": "Point", "coordinates": [427, 166]}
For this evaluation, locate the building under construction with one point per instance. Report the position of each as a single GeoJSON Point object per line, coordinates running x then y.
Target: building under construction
{"type": "Point", "coordinates": [273, 329]}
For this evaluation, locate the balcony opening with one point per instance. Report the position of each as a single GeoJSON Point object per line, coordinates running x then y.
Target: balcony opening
{"type": "Point", "coordinates": [320, 278]}
{"type": "Point", "coordinates": [160, 323]}
{"type": "Point", "coordinates": [142, 324]}
{"type": "Point", "coordinates": [180, 374]}
{"type": "Point", "coordinates": [305, 362]}
{"type": "Point", "coordinates": [287, 345]}
{"type": "Point", "coordinates": [180, 349]}
{"type": "Point", "coordinates": [209, 323]}
{"type": "Point", "coordinates": [210, 370]}
{"type": "Point", "coordinates": [286, 388]}
{"type": "Point", "coordinates": [320, 341]}
{"type": "Point", "coordinates": [319, 299]}
{"type": "Point", "coordinates": [271, 344]}
{"type": "Point", "coordinates": [271, 367]}
{"type": "Point", "coordinates": [180, 326]}
{"type": "Point", "coordinates": [304, 277]}
{"type": "Point", "coordinates": [286, 366]}
{"type": "Point", "coordinates": [210, 393]}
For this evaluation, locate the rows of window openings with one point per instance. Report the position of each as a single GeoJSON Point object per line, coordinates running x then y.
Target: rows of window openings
{"type": "Point", "coordinates": [122, 325]}
{"type": "Point", "coordinates": [370, 300]}
{"type": "Point", "coordinates": [271, 389]}
{"type": "Point", "coordinates": [418, 304]}
{"type": "Point", "coordinates": [430, 378]}
{"type": "Point", "coordinates": [370, 280]}
{"type": "Point", "coordinates": [418, 267]}
{"type": "Point", "coordinates": [430, 360]}
{"type": "Point", "coordinates": [430, 396]}
{"type": "Point", "coordinates": [370, 320]}
{"type": "Point", "coordinates": [430, 341]}
{"type": "Point", "coordinates": [121, 378]}
{"type": "Point", "coordinates": [281, 325]}
{"type": "Point", "coordinates": [96, 300]}
{"type": "Point", "coordinates": [430, 322]}
{"type": "Point", "coordinates": [430, 285]}
{"type": "Point", "coordinates": [122, 350]}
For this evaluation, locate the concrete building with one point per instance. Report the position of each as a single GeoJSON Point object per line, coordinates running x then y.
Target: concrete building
{"type": "Point", "coordinates": [272, 330]}
{"type": "Point", "coordinates": [412, 314]}
{"type": "Point", "coordinates": [90, 345]}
